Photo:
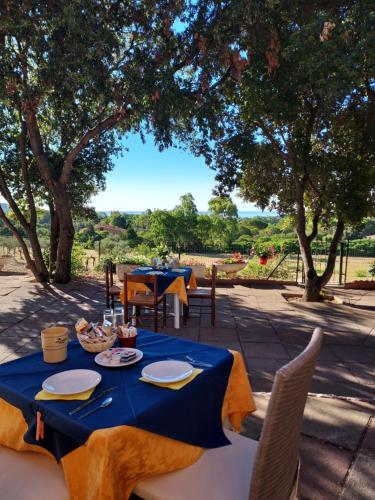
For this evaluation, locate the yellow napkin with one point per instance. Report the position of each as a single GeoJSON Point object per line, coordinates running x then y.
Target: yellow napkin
{"type": "Point", "coordinates": [175, 385]}
{"type": "Point", "coordinates": [80, 395]}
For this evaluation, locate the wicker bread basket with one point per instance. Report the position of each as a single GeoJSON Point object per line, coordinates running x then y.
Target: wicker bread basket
{"type": "Point", "coordinates": [93, 345]}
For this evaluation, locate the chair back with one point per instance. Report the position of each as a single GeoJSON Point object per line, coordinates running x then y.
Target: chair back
{"type": "Point", "coordinates": [109, 269]}
{"type": "Point", "coordinates": [277, 459]}
{"type": "Point", "coordinates": [145, 279]}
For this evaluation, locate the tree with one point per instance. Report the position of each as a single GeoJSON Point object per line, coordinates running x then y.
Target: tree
{"type": "Point", "coordinates": [118, 219]}
{"type": "Point", "coordinates": [185, 222]}
{"type": "Point", "coordinates": [298, 134]}
{"type": "Point", "coordinates": [72, 72]}
{"type": "Point", "coordinates": [224, 225]}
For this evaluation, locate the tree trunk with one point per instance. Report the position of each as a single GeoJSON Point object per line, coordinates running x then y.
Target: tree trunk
{"type": "Point", "coordinates": [40, 266]}
{"type": "Point", "coordinates": [54, 238]}
{"type": "Point", "coordinates": [66, 234]}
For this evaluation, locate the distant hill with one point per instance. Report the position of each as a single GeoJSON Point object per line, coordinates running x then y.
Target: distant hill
{"type": "Point", "coordinates": [5, 207]}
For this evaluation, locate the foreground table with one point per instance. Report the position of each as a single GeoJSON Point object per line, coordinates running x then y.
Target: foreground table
{"type": "Point", "coordinates": [114, 457]}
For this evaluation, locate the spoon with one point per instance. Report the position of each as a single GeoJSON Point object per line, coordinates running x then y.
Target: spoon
{"type": "Point", "coordinates": [105, 403]}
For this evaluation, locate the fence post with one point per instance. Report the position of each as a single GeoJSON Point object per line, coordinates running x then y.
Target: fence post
{"type": "Point", "coordinates": [341, 261]}
{"type": "Point", "coordinates": [297, 270]}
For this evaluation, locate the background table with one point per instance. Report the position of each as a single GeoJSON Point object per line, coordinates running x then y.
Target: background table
{"type": "Point", "coordinates": [170, 282]}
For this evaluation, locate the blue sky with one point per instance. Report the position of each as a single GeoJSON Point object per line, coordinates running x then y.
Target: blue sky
{"type": "Point", "coordinates": [145, 178]}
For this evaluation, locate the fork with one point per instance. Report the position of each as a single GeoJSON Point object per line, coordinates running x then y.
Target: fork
{"type": "Point", "coordinates": [198, 363]}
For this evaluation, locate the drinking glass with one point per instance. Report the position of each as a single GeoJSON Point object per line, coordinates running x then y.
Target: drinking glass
{"type": "Point", "coordinates": [108, 315]}
{"type": "Point", "coordinates": [118, 316]}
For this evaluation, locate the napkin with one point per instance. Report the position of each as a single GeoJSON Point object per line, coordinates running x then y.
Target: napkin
{"type": "Point", "coordinates": [80, 395]}
{"type": "Point", "coordinates": [175, 385]}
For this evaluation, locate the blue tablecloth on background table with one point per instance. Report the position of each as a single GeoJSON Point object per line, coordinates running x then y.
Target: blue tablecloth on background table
{"type": "Point", "coordinates": [191, 414]}
{"type": "Point", "coordinates": [166, 279]}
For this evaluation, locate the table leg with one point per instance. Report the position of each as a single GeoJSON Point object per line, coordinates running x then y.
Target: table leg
{"type": "Point", "coordinates": [176, 311]}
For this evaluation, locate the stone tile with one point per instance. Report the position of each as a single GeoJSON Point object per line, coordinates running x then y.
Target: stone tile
{"type": "Point", "coordinates": [264, 367]}
{"type": "Point", "coordinates": [265, 350]}
{"type": "Point", "coordinates": [221, 321]}
{"type": "Point", "coordinates": [259, 384]}
{"type": "Point", "coordinates": [368, 443]}
{"type": "Point", "coordinates": [325, 354]}
{"type": "Point", "coordinates": [354, 353]}
{"type": "Point", "coordinates": [323, 469]}
{"type": "Point", "coordinates": [364, 373]}
{"type": "Point", "coordinates": [261, 334]}
{"type": "Point", "coordinates": [218, 334]}
{"type": "Point", "coordinates": [334, 421]}
{"type": "Point", "coordinates": [4, 326]}
{"type": "Point", "coordinates": [234, 346]}
{"type": "Point", "coordinates": [361, 479]}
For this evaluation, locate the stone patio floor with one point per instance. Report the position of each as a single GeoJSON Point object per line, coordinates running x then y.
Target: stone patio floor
{"type": "Point", "coordinates": [338, 437]}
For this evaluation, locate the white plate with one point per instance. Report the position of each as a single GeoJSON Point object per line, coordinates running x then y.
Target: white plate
{"type": "Point", "coordinates": [155, 272]}
{"type": "Point", "coordinates": [111, 357]}
{"type": "Point", "coordinates": [167, 371]}
{"type": "Point", "coordinates": [71, 382]}
{"type": "Point", "coordinates": [144, 268]}
{"type": "Point", "coordinates": [178, 270]}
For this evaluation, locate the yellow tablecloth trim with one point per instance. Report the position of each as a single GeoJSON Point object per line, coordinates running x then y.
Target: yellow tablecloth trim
{"type": "Point", "coordinates": [175, 385]}
{"type": "Point", "coordinates": [113, 460]}
{"type": "Point", "coordinates": [176, 287]}
{"type": "Point", "coordinates": [43, 395]}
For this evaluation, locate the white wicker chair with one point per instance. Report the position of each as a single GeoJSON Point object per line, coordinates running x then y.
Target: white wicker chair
{"type": "Point", "coordinates": [248, 470]}
{"type": "Point", "coordinates": [26, 475]}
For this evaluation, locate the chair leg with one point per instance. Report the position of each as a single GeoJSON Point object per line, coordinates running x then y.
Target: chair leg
{"type": "Point", "coordinates": [137, 314]}
{"type": "Point", "coordinates": [213, 312]}
{"type": "Point", "coordinates": [164, 310]}
{"type": "Point", "coordinates": [185, 314]}
{"type": "Point", "coordinates": [126, 314]}
{"type": "Point", "coordinates": [156, 319]}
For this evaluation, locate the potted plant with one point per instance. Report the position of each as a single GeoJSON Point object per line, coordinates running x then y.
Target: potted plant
{"type": "Point", "coordinates": [231, 265]}
{"type": "Point", "coordinates": [263, 258]}
{"type": "Point", "coordinates": [128, 263]}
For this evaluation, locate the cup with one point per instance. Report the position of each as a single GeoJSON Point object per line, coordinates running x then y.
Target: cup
{"type": "Point", "coordinates": [128, 341]}
{"type": "Point", "coordinates": [118, 316]}
{"type": "Point", "coordinates": [108, 315]}
{"type": "Point", "coordinates": [54, 344]}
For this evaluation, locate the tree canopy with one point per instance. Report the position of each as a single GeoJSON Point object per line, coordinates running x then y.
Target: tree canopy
{"type": "Point", "coordinates": [297, 133]}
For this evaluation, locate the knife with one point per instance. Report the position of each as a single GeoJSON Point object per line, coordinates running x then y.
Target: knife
{"type": "Point", "coordinates": [86, 403]}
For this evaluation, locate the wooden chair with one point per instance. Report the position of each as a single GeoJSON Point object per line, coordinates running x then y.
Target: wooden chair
{"type": "Point", "coordinates": [247, 469]}
{"type": "Point", "coordinates": [141, 299]}
{"type": "Point", "coordinates": [203, 294]}
{"type": "Point", "coordinates": [111, 291]}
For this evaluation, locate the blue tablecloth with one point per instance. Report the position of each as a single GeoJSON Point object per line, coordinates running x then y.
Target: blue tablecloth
{"type": "Point", "coordinates": [191, 414]}
{"type": "Point", "coordinates": [167, 278]}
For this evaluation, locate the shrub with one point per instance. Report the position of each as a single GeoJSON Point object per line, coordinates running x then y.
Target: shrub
{"type": "Point", "coordinates": [372, 269]}
{"type": "Point", "coordinates": [254, 270]}
{"type": "Point", "coordinates": [77, 260]}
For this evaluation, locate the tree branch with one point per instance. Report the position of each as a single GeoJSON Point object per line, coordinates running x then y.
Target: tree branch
{"type": "Point", "coordinates": [25, 173]}
{"type": "Point", "coordinates": [37, 144]}
{"type": "Point", "coordinates": [324, 278]}
{"type": "Point", "coordinates": [315, 223]}
{"type": "Point", "coordinates": [13, 205]}
{"type": "Point", "coordinates": [107, 123]}
{"type": "Point", "coordinates": [19, 238]}
{"type": "Point", "coordinates": [272, 139]}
